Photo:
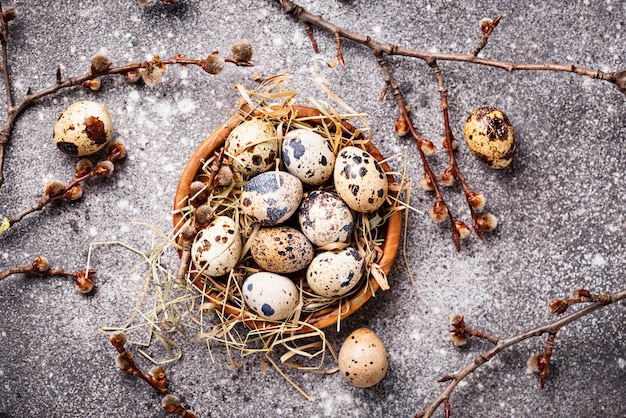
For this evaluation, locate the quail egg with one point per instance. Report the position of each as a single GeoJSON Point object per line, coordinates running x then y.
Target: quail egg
{"type": "Point", "coordinates": [359, 179]}
{"type": "Point", "coordinates": [490, 136]}
{"type": "Point", "coordinates": [335, 273]}
{"type": "Point", "coordinates": [253, 144]}
{"type": "Point", "coordinates": [270, 198]}
{"type": "Point", "coordinates": [308, 156]}
{"type": "Point", "coordinates": [324, 218]}
{"type": "Point", "coordinates": [217, 248]}
{"type": "Point", "coordinates": [281, 249]}
{"type": "Point", "coordinates": [270, 295]}
{"type": "Point", "coordinates": [363, 358]}
{"type": "Point", "coordinates": [83, 128]}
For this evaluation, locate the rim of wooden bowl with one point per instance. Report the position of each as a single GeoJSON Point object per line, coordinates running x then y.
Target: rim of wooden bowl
{"type": "Point", "coordinates": [320, 319]}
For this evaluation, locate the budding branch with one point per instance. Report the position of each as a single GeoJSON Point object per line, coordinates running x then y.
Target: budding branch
{"type": "Point", "coordinates": [501, 343]}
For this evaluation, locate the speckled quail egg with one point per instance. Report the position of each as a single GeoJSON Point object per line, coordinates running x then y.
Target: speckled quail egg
{"type": "Point", "coordinates": [271, 198]}
{"type": "Point", "coordinates": [83, 128]}
{"type": "Point", "coordinates": [308, 156]}
{"type": "Point", "coordinates": [281, 249]}
{"type": "Point", "coordinates": [270, 295]}
{"type": "Point", "coordinates": [335, 273]}
{"type": "Point", "coordinates": [324, 218]}
{"type": "Point", "coordinates": [359, 179]}
{"type": "Point", "coordinates": [253, 144]}
{"type": "Point", "coordinates": [363, 358]}
{"type": "Point", "coordinates": [217, 248]}
{"type": "Point", "coordinates": [490, 136]}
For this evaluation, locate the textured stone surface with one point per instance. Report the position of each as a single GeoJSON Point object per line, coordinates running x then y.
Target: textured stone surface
{"type": "Point", "coordinates": [560, 203]}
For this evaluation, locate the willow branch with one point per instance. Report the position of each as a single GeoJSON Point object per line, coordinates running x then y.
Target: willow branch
{"type": "Point", "coordinates": [4, 39]}
{"type": "Point", "coordinates": [40, 268]}
{"type": "Point", "coordinates": [486, 26]}
{"type": "Point", "coordinates": [440, 209]}
{"type": "Point", "coordinates": [551, 329]}
{"type": "Point", "coordinates": [30, 98]}
{"type": "Point", "coordinates": [453, 166]}
{"type": "Point", "coordinates": [56, 191]}
{"type": "Point", "coordinates": [289, 7]}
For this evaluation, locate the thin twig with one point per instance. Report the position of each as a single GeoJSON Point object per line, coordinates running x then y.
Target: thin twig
{"type": "Point", "coordinates": [304, 16]}
{"type": "Point", "coordinates": [550, 328]}
{"type": "Point", "coordinates": [486, 26]}
{"type": "Point", "coordinates": [453, 166]}
{"type": "Point", "coordinates": [40, 268]}
{"type": "Point", "coordinates": [155, 377]}
{"type": "Point", "coordinates": [4, 39]}
{"type": "Point", "coordinates": [72, 190]}
{"type": "Point", "coordinates": [30, 98]}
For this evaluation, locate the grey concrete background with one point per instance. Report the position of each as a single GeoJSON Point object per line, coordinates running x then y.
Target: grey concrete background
{"type": "Point", "coordinates": [560, 204]}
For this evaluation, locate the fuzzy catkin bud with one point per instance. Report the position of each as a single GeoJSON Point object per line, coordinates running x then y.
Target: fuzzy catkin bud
{"type": "Point", "coordinates": [152, 75]}
{"type": "Point", "coordinates": [121, 361]}
{"type": "Point", "coordinates": [454, 144]}
{"type": "Point", "coordinates": [83, 167]}
{"type": "Point", "coordinates": [133, 76]}
{"type": "Point", "coordinates": [458, 340]}
{"type": "Point", "coordinates": [427, 147]}
{"type": "Point", "coordinates": [488, 222]}
{"type": "Point", "coordinates": [213, 64]}
{"type": "Point", "coordinates": [9, 13]}
{"type": "Point", "coordinates": [100, 63]}
{"type": "Point", "coordinates": [400, 127]}
{"type": "Point", "coordinates": [426, 184]}
{"type": "Point", "coordinates": [157, 375]}
{"type": "Point", "coordinates": [41, 265]}
{"type": "Point", "coordinates": [170, 402]}
{"type": "Point", "coordinates": [203, 214]}
{"type": "Point", "coordinates": [223, 177]}
{"type": "Point", "coordinates": [557, 306]}
{"type": "Point", "coordinates": [438, 211]}
{"type": "Point", "coordinates": [458, 335]}
{"type": "Point", "coordinates": [477, 200]}
{"type": "Point", "coordinates": [84, 283]}
{"type": "Point", "coordinates": [116, 151]}
{"type": "Point", "coordinates": [105, 168]}
{"type": "Point", "coordinates": [242, 50]}
{"type": "Point", "coordinates": [94, 84]}
{"type": "Point", "coordinates": [198, 191]}
{"type": "Point", "coordinates": [187, 232]}
{"type": "Point", "coordinates": [534, 363]}
{"type": "Point", "coordinates": [462, 229]}
{"type": "Point", "coordinates": [486, 25]}
{"type": "Point", "coordinates": [54, 188]}
{"type": "Point", "coordinates": [457, 320]}
{"type": "Point", "coordinates": [74, 193]}
{"type": "Point", "coordinates": [119, 339]}
{"type": "Point", "coordinates": [447, 177]}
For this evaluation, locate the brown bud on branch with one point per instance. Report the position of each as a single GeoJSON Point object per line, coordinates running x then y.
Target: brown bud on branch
{"type": "Point", "coordinates": [214, 63]}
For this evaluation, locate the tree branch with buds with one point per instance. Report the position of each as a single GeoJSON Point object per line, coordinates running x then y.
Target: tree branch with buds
{"type": "Point", "coordinates": [40, 268]}
{"type": "Point", "coordinates": [155, 377]}
{"type": "Point", "coordinates": [151, 72]}
{"type": "Point", "coordinates": [460, 333]}
{"type": "Point", "coordinates": [57, 191]}
{"type": "Point", "coordinates": [404, 124]}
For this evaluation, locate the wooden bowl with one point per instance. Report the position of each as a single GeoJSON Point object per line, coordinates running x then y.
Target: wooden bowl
{"type": "Point", "coordinates": [325, 317]}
